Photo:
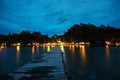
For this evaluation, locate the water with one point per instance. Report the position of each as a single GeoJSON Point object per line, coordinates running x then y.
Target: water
{"type": "Point", "coordinates": [92, 63]}
{"type": "Point", "coordinates": [81, 63]}
{"type": "Point", "coordinates": [13, 57]}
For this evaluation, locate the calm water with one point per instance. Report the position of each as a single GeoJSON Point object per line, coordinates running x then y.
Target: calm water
{"type": "Point", "coordinates": [82, 63]}
{"type": "Point", "coordinates": [92, 63]}
{"type": "Point", "coordinates": [14, 57]}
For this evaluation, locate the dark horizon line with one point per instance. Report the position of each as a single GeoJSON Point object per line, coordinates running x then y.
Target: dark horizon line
{"type": "Point", "coordinates": [57, 34]}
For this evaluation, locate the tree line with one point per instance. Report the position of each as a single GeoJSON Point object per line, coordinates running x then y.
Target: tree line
{"type": "Point", "coordinates": [91, 33]}
{"type": "Point", "coordinates": [76, 33]}
{"type": "Point", "coordinates": [24, 38]}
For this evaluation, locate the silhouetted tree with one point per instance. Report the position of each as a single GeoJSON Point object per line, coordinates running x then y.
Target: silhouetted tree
{"type": "Point", "coordinates": [36, 37]}
{"type": "Point", "coordinates": [2, 38]}
{"type": "Point", "coordinates": [76, 33]}
{"type": "Point", "coordinates": [25, 37]}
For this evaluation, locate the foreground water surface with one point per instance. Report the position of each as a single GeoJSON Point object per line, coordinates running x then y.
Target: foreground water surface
{"type": "Point", "coordinates": [13, 57]}
{"type": "Point", "coordinates": [92, 63]}
{"type": "Point", "coordinates": [85, 63]}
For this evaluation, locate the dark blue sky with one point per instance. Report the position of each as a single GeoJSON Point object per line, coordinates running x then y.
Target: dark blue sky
{"type": "Point", "coordinates": [56, 16]}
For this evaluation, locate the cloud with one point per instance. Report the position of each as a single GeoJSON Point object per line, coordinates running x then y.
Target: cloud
{"type": "Point", "coordinates": [4, 29]}
{"type": "Point", "coordinates": [57, 15]}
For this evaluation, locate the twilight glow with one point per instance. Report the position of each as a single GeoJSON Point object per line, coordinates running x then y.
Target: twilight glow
{"type": "Point", "coordinates": [56, 16]}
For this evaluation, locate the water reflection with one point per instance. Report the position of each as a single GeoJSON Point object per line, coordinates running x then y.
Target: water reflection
{"type": "Point", "coordinates": [72, 51]}
{"type": "Point", "coordinates": [62, 48]}
{"type": "Point", "coordinates": [108, 53]}
{"type": "Point", "coordinates": [18, 54]}
{"type": "Point", "coordinates": [92, 63]}
{"type": "Point", "coordinates": [33, 49]}
{"type": "Point", "coordinates": [72, 48]}
{"type": "Point", "coordinates": [33, 52]}
{"type": "Point", "coordinates": [37, 53]}
{"type": "Point", "coordinates": [83, 54]}
{"type": "Point", "coordinates": [2, 49]}
{"type": "Point", "coordinates": [48, 48]}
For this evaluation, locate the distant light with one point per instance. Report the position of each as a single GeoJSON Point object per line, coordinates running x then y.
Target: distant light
{"type": "Point", "coordinates": [16, 44]}
{"type": "Point", "coordinates": [81, 43]}
{"type": "Point", "coordinates": [108, 42]}
{"type": "Point", "coordinates": [48, 48]}
{"type": "Point", "coordinates": [18, 48]}
{"type": "Point", "coordinates": [62, 48]}
{"type": "Point", "coordinates": [36, 44]}
{"type": "Point", "coordinates": [117, 43]}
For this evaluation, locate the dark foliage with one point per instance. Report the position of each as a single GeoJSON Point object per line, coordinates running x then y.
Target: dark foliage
{"type": "Point", "coordinates": [77, 33]}
{"type": "Point", "coordinates": [91, 33]}
{"type": "Point", "coordinates": [24, 38]}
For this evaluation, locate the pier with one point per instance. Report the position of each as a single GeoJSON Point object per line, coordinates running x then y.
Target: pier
{"type": "Point", "coordinates": [50, 67]}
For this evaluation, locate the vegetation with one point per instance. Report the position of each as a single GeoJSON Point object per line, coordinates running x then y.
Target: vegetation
{"type": "Point", "coordinates": [91, 33]}
{"type": "Point", "coordinates": [77, 33]}
{"type": "Point", "coordinates": [24, 38]}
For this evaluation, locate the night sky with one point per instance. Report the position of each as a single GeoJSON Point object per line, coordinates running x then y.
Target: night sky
{"type": "Point", "coordinates": [56, 16]}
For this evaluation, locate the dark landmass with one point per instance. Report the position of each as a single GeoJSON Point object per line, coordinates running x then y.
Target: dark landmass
{"type": "Point", "coordinates": [96, 35]}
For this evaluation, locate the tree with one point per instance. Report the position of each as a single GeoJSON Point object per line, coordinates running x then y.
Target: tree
{"type": "Point", "coordinates": [36, 36]}
{"type": "Point", "coordinates": [25, 37]}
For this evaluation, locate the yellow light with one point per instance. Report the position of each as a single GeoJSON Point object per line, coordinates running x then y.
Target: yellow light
{"type": "Point", "coordinates": [37, 51]}
{"type": "Point", "coordinates": [33, 49]}
{"type": "Point", "coordinates": [18, 53]}
{"type": "Point", "coordinates": [62, 49]}
{"type": "Point", "coordinates": [59, 41]}
{"type": "Point", "coordinates": [107, 46]}
{"type": "Point", "coordinates": [108, 52]}
{"type": "Point", "coordinates": [76, 44]}
{"type": "Point", "coordinates": [35, 44]}
{"type": "Point", "coordinates": [107, 42]}
{"type": "Point", "coordinates": [82, 48]}
{"type": "Point", "coordinates": [18, 48]}
{"type": "Point", "coordinates": [33, 52]}
{"type": "Point", "coordinates": [81, 43]}
{"type": "Point", "coordinates": [83, 54]}
{"type": "Point", "coordinates": [48, 44]}
{"type": "Point", "coordinates": [48, 48]}
{"type": "Point", "coordinates": [16, 44]}
{"type": "Point", "coordinates": [2, 48]}
{"type": "Point", "coordinates": [117, 44]}
{"type": "Point", "coordinates": [72, 43]}
{"type": "Point", "coordinates": [72, 48]}
{"type": "Point", "coordinates": [3, 44]}
{"type": "Point", "coordinates": [87, 43]}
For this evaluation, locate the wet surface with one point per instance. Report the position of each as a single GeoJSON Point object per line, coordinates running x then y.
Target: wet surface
{"type": "Point", "coordinates": [92, 63]}
{"type": "Point", "coordinates": [50, 67]}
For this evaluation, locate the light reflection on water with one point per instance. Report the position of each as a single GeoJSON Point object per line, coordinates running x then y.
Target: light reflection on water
{"type": "Point", "coordinates": [33, 52]}
{"type": "Point", "coordinates": [13, 57]}
{"type": "Point", "coordinates": [72, 49]}
{"type": "Point", "coordinates": [37, 52]}
{"type": "Point", "coordinates": [108, 61]}
{"type": "Point", "coordinates": [108, 52]}
{"type": "Point", "coordinates": [63, 52]}
{"type": "Point", "coordinates": [83, 54]}
{"type": "Point", "coordinates": [2, 49]}
{"type": "Point", "coordinates": [48, 48]}
{"type": "Point", "coordinates": [17, 54]}
{"type": "Point", "coordinates": [92, 63]}
{"type": "Point", "coordinates": [62, 49]}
